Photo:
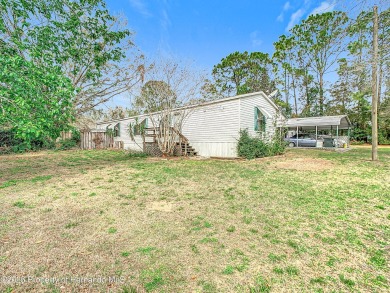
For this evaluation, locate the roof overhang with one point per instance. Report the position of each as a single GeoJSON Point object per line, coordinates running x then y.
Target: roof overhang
{"type": "Point", "coordinates": [243, 96]}
{"type": "Point", "coordinates": [322, 122]}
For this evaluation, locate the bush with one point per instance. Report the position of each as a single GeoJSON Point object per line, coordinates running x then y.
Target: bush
{"type": "Point", "coordinates": [136, 154]}
{"type": "Point", "coordinates": [34, 145]}
{"type": "Point", "coordinates": [69, 143]}
{"type": "Point", "coordinates": [382, 139]}
{"type": "Point", "coordinates": [76, 135]}
{"type": "Point", "coordinates": [254, 147]}
{"type": "Point", "coordinates": [66, 144]}
{"type": "Point", "coordinates": [358, 134]}
{"type": "Point", "coordinates": [357, 142]}
{"type": "Point", "coordinates": [10, 144]}
{"type": "Point", "coordinates": [8, 139]}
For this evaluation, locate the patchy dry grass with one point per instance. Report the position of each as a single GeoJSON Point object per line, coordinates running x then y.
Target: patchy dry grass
{"type": "Point", "coordinates": [310, 221]}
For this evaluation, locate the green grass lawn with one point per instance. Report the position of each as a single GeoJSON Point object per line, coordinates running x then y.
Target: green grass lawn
{"type": "Point", "coordinates": [308, 221]}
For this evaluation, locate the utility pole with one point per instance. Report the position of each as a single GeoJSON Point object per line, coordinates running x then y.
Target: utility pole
{"type": "Point", "coordinates": [374, 110]}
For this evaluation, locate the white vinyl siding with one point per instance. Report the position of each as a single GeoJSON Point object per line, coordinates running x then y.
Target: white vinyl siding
{"type": "Point", "coordinates": [124, 134]}
{"type": "Point", "coordinates": [260, 120]}
{"type": "Point", "coordinates": [213, 123]}
{"type": "Point", "coordinates": [247, 119]}
{"type": "Point", "coordinates": [216, 149]}
{"type": "Point", "coordinates": [213, 129]}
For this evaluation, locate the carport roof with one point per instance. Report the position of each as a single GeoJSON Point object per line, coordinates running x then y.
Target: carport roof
{"type": "Point", "coordinates": [322, 122]}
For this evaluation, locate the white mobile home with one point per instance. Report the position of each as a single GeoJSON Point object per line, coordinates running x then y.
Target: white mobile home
{"type": "Point", "coordinates": [212, 128]}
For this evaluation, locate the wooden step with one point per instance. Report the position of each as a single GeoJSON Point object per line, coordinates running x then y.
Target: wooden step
{"type": "Point", "coordinates": [187, 148]}
{"type": "Point", "coordinates": [190, 150]}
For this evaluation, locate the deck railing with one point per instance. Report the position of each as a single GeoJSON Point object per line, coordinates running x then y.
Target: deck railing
{"type": "Point", "coordinates": [182, 140]}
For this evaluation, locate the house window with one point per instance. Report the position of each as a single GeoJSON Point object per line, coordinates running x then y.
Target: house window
{"type": "Point", "coordinates": [140, 127]}
{"type": "Point", "coordinates": [176, 120]}
{"type": "Point", "coordinates": [109, 130]}
{"type": "Point", "coordinates": [117, 130]}
{"type": "Point", "coordinates": [260, 120]}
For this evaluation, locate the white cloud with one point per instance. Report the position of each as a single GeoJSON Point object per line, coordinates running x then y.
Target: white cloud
{"type": "Point", "coordinates": [295, 18]}
{"type": "Point", "coordinates": [140, 7]}
{"type": "Point", "coordinates": [255, 40]}
{"type": "Point", "coordinates": [165, 20]}
{"type": "Point", "coordinates": [325, 6]}
{"type": "Point", "coordinates": [165, 23]}
{"type": "Point", "coordinates": [286, 6]}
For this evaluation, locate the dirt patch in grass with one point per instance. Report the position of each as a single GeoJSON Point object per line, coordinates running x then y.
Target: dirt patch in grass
{"type": "Point", "coordinates": [160, 206]}
{"type": "Point", "coordinates": [304, 164]}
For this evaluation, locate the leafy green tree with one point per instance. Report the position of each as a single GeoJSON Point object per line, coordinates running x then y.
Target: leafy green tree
{"type": "Point", "coordinates": [384, 56]}
{"type": "Point", "coordinates": [320, 42]}
{"type": "Point", "coordinates": [384, 121]}
{"type": "Point", "coordinates": [359, 74]}
{"type": "Point", "coordinates": [294, 76]}
{"type": "Point", "coordinates": [90, 46]}
{"type": "Point", "coordinates": [284, 65]}
{"type": "Point", "coordinates": [241, 73]}
{"type": "Point", "coordinates": [342, 90]}
{"type": "Point", "coordinates": [360, 71]}
{"type": "Point", "coordinates": [358, 49]}
{"type": "Point", "coordinates": [171, 84]}
{"type": "Point", "coordinates": [360, 116]}
{"type": "Point", "coordinates": [383, 85]}
{"type": "Point", "coordinates": [35, 101]}
{"type": "Point", "coordinates": [156, 95]}
{"type": "Point", "coordinates": [209, 91]}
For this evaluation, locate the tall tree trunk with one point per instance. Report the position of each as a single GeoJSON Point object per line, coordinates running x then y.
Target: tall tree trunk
{"type": "Point", "coordinates": [321, 100]}
{"type": "Point", "coordinates": [308, 101]}
{"type": "Point", "coordinates": [285, 87]}
{"type": "Point", "coordinates": [380, 76]}
{"type": "Point", "coordinates": [295, 96]}
{"type": "Point", "coordinates": [382, 46]}
{"type": "Point", "coordinates": [374, 111]}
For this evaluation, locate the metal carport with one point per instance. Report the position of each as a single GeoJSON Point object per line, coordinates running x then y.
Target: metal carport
{"type": "Point", "coordinates": [337, 123]}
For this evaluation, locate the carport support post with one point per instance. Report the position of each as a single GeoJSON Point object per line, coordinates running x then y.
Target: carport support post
{"type": "Point", "coordinates": [297, 135]}
{"type": "Point", "coordinates": [337, 136]}
{"type": "Point", "coordinates": [316, 133]}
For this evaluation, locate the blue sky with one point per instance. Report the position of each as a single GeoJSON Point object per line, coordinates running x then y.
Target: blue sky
{"type": "Point", "coordinates": [207, 31]}
{"type": "Point", "coordinates": [204, 32]}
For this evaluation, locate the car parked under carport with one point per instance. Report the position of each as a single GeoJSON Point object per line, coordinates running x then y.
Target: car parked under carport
{"type": "Point", "coordinates": [323, 131]}
{"type": "Point", "coordinates": [303, 140]}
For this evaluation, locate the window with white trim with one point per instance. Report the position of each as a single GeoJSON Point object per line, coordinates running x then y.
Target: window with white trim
{"type": "Point", "coordinates": [117, 130]}
{"type": "Point", "coordinates": [139, 128]}
{"type": "Point", "coordinates": [260, 120]}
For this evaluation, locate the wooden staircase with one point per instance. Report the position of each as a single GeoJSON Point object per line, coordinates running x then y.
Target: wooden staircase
{"type": "Point", "coordinates": [182, 144]}
{"type": "Point", "coordinates": [186, 149]}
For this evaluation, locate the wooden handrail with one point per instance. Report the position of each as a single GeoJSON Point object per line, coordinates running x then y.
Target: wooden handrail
{"type": "Point", "coordinates": [182, 137]}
